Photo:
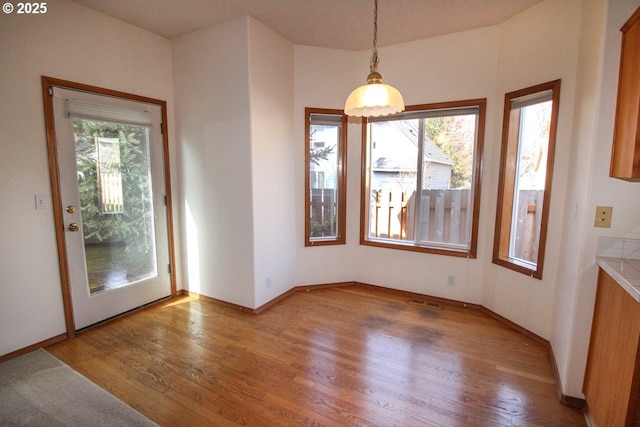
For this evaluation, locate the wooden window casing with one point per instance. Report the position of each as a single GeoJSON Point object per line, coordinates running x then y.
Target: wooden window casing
{"type": "Point", "coordinates": [339, 216]}
{"type": "Point", "coordinates": [502, 243]}
{"type": "Point", "coordinates": [467, 249]}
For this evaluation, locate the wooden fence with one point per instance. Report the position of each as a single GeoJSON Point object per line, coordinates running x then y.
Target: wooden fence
{"type": "Point", "coordinates": [528, 220]}
{"type": "Point", "coordinates": [445, 218]}
{"type": "Point", "coordinates": [443, 215]}
{"type": "Point", "coordinates": [323, 212]}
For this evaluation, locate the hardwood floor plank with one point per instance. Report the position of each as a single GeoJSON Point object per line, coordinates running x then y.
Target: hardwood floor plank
{"type": "Point", "coordinates": [349, 356]}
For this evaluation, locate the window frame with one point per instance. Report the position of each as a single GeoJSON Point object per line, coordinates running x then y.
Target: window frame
{"type": "Point", "coordinates": [341, 175]}
{"type": "Point", "coordinates": [440, 249]}
{"type": "Point", "coordinates": [506, 180]}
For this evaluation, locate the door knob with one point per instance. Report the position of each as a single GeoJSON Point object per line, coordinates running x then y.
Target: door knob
{"type": "Point", "coordinates": [71, 209]}
{"type": "Point", "coordinates": [73, 227]}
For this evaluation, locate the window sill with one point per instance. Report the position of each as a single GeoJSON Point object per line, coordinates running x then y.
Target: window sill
{"type": "Point", "coordinates": [409, 246]}
{"type": "Point", "coordinates": [523, 267]}
{"type": "Point", "coordinates": [324, 242]}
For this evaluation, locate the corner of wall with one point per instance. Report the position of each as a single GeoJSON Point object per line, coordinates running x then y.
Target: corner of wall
{"type": "Point", "coordinates": [570, 334]}
{"type": "Point", "coordinates": [271, 94]}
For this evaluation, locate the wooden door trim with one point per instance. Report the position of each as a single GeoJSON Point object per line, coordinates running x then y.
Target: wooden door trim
{"type": "Point", "coordinates": [63, 261]}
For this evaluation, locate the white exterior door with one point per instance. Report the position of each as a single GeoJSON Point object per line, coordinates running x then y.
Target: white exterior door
{"type": "Point", "coordinates": [111, 167]}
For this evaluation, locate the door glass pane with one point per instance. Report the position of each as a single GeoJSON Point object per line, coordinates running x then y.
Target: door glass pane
{"type": "Point", "coordinates": [113, 171]}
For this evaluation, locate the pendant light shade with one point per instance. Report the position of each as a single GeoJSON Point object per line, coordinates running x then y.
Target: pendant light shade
{"type": "Point", "coordinates": [374, 98]}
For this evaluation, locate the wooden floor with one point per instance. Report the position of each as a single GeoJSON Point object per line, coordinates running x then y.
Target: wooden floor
{"type": "Point", "coordinates": [329, 357]}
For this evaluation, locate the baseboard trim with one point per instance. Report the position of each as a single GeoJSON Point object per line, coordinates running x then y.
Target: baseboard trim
{"type": "Point", "coordinates": [274, 301]}
{"type": "Point", "coordinates": [33, 347]}
{"type": "Point", "coordinates": [216, 301]}
{"type": "Point", "coordinates": [418, 295]}
{"type": "Point", "coordinates": [456, 303]}
{"type": "Point", "coordinates": [573, 402]}
{"type": "Point", "coordinates": [270, 303]}
{"type": "Point", "coordinates": [302, 288]}
{"type": "Point", "coordinates": [324, 286]}
{"type": "Point", "coordinates": [520, 329]}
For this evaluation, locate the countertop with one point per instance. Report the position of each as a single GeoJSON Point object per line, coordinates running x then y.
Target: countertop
{"type": "Point", "coordinates": [619, 257]}
{"type": "Point", "coordinates": [624, 271]}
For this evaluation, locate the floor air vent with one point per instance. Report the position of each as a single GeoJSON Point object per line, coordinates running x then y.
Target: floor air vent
{"type": "Point", "coordinates": [425, 303]}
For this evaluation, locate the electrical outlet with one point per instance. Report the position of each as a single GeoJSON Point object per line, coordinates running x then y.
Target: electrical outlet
{"type": "Point", "coordinates": [451, 280]}
{"type": "Point", "coordinates": [268, 282]}
{"type": "Point", "coordinates": [603, 216]}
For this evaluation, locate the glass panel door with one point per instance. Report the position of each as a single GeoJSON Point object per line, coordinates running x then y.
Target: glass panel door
{"type": "Point", "coordinates": [114, 181]}
{"type": "Point", "coordinates": [111, 164]}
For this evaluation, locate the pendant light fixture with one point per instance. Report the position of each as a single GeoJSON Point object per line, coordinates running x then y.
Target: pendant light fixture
{"type": "Point", "coordinates": [374, 98]}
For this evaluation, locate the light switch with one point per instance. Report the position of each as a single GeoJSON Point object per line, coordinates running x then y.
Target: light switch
{"type": "Point", "coordinates": [41, 202]}
{"type": "Point", "coordinates": [603, 216]}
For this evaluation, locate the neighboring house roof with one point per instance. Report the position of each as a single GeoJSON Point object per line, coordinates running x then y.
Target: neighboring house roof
{"type": "Point", "coordinates": [396, 147]}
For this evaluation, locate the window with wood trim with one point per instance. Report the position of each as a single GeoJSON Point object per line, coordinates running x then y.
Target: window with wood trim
{"type": "Point", "coordinates": [421, 178]}
{"type": "Point", "coordinates": [325, 178]}
{"type": "Point", "coordinates": [526, 170]}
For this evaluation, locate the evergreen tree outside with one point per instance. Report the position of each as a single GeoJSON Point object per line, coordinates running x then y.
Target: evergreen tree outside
{"type": "Point", "coordinates": [129, 233]}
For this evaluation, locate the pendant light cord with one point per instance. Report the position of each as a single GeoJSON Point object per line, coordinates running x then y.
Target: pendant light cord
{"type": "Point", "coordinates": [373, 67]}
{"type": "Point", "coordinates": [375, 98]}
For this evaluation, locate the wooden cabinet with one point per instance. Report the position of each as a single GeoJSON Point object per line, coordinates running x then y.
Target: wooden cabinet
{"type": "Point", "coordinates": [625, 155]}
{"type": "Point", "coordinates": [612, 378]}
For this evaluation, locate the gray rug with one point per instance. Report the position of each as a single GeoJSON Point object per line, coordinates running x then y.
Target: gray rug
{"type": "Point", "coordinates": [37, 389]}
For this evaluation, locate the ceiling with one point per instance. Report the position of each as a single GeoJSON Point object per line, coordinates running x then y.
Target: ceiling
{"type": "Point", "coordinates": [338, 24]}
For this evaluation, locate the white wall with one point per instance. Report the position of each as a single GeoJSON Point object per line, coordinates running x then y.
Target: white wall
{"type": "Point", "coordinates": [234, 97]}
{"type": "Point", "coordinates": [73, 43]}
{"type": "Point", "coordinates": [213, 132]}
{"type": "Point", "coordinates": [537, 46]}
{"type": "Point", "coordinates": [273, 146]}
{"type": "Point", "coordinates": [335, 72]}
{"type": "Point", "coordinates": [576, 216]}
{"type": "Point", "coordinates": [591, 186]}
